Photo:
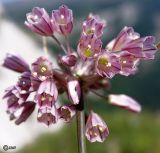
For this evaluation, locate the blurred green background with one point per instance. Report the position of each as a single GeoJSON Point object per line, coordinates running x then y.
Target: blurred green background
{"type": "Point", "coordinates": [129, 133]}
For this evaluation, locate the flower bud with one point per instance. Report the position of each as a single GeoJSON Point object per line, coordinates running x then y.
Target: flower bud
{"type": "Point", "coordinates": [16, 63]}
{"type": "Point", "coordinates": [125, 102]}
{"type": "Point", "coordinates": [68, 60]}
{"type": "Point", "coordinates": [74, 91]}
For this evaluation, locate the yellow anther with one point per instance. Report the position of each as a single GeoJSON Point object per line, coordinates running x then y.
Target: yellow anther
{"type": "Point", "coordinates": [88, 52]}
{"type": "Point", "coordinates": [43, 69]}
{"type": "Point", "coordinates": [101, 128]}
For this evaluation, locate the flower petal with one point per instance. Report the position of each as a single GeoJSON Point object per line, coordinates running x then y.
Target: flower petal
{"type": "Point", "coordinates": [125, 101]}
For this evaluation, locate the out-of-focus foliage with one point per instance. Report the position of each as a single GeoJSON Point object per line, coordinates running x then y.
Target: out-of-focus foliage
{"type": "Point", "coordinates": [129, 133]}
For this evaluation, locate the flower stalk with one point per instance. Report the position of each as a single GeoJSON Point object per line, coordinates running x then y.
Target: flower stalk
{"type": "Point", "coordinates": [78, 73]}
{"type": "Point", "coordinates": [59, 44]}
{"type": "Point", "coordinates": [81, 124]}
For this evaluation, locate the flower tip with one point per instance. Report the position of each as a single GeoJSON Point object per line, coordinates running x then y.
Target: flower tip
{"type": "Point", "coordinates": [125, 102]}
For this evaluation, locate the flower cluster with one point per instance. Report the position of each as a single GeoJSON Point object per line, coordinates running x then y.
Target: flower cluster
{"type": "Point", "coordinates": [79, 73]}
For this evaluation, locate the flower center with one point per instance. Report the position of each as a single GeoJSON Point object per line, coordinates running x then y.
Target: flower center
{"type": "Point", "coordinates": [88, 52]}
{"type": "Point", "coordinates": [66, 113]}
{"type": "Point", "coordinates": [104, 61]}
{"type": "Point", "coordinates": [100, 128]}
{"type": "Point", "coordinates": [90, 31]}
{"type": "Point", "coordinates": [62, 20]}
{"type": "Point", "coordinates": [43, 68]}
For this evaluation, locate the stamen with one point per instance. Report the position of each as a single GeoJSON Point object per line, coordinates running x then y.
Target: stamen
{"type": "Point", "coordinates": [23, 92]}
{"type": "Point", "coordinates": [35, 74]}
{"type": "Point", "coordinates": [43, 98]}
{"type": "Point", "coordinates": [101, 128]}
{"type": "Point", "coordinates": [89, 46]}
{"type": "Point", "coordinates": [95, 134]}
{"type": "Point", "coordinates": [35, 17]}
{"type": "Point", "coordinates": [88, 51]}
{"type": "Point", "coordinates": [43, 69]}
{"type": "Point", "coordinates": [109, 65]}
{"type": "Point", "coordinates": [103, 61]}
{"type": "Point", "coordinates": [62, 16]}
{"type": "Point", "coordinates": [124, 62]}
{"type": "Point", "coordinates": [43, 77]}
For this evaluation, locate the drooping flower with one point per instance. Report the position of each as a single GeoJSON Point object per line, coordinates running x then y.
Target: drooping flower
{"type": "Point", "coordinates": [15, 101]}
{"type": "Point", "coordinates": [149, 47]}
{"type": "Point", "coordinates": [42, 68]}
{"type": "Point", "coordinates": [47, 115]}
{"type": "Point", "coordinates": [125, 101]}
{"type": "Point", "coordinates": [128, 63]}
{"type": "Point", "coordinates": [67, 112]}
{"type": "Point", "coordinates": [130, 41]}
{"type": "Point", "coordinates": [125, 42]}
{"type": "Point", "coordinates": [35, 83]}
{"type": "Point", "coordinates": [15, 63]}
{"type": "Point", "coordinates": [89, 46]}
{"type": "Point", "coordinates": [93, 25]}
{"type": "Point", "coordinates": [24, 111]}
{"type": "Point", "coordinates": [74, 91]}
{"type": "Point", "coordinates": [63, 20]}
{"type": "Point", "coordinates": [96, 128]}
{"type": "Point", "coordinates": [14, 95]}
{"type": "Point", "coordinates": [39, 22]}
{"type": "Point", "coordinates": [68, 60]}
{"type": "Point", "coordinates": [107, 64]}
{"type": "Point", "coordinates": [47, 94]}
{"type": "Point", "coordinates": [24, 83]}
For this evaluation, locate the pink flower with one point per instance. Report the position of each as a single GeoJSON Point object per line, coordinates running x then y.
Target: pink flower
{"type": "Point", "coordinates": [39, 22]}
{"type": "Point", "coordinates": [23, 113]}
{"type": "Point", "coordinates": [47, 115]}
{"type": "Point", "coordinates": [16, 63]}
{"type": "Point", "coordinates": [107, 64]}
{"type": "Point", "coordinates": [14, 95]}
{"type": "Point", "coordinates": [24, 83]}
{"type": "Point", "coordinates": [149, 47]}
{"type": "Point", "coordinates": [62, 19]}
{"type": "Point", "coordinates": [17, 107]}
{"type": "Point", "coordinates": [126, 41]}
{"type": "Point", "coordinates": [74, 91]}
{"type": "Point", "coordinates": [42, 68]}
{"type": "Point", "coordinates": [96, 128]}
{"type": "Point", "coordinates": [89, 46]}
{"type": "Point", "coordinates": [47, 94]}
{"type": "Point", "coordinates": [35, 82]}
{"type": "Point", "coordinates": [125, 101]}
{"type": "Point", "coordinates": [130, 41]}
{"type": "Point", "coordinates": [68, 60]}
{"type": "Point", "coordinates": [128, 63]}
{"type": "Point", "coordinates": [67, 112]}
{"type": "Point", "coordinates": [93, 25]}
